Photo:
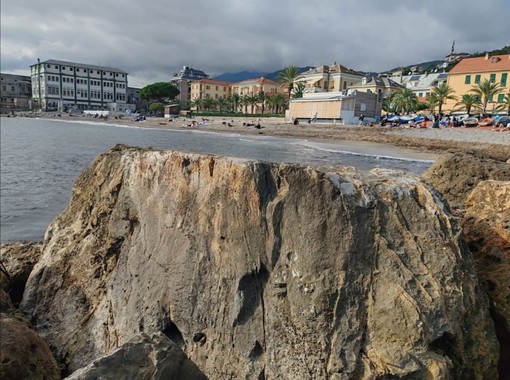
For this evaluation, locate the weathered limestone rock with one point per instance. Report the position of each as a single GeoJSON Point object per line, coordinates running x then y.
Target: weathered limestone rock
{"type": "Point", "coordinates": [456, 174]}
{"type": "Point", "coordinates": [259, 270]}
{"type": "Point", "coordinates": [23, 353]}
{"type": "Point", "coordinates": [486, 225]}
{"type": "Point", "coordinates": [16, 263]}
{"type": "Point", "coordinates": [143, 357]}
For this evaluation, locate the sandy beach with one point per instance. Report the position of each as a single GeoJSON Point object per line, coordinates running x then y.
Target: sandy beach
{"type": "Point", "coordinates": [417, 140]}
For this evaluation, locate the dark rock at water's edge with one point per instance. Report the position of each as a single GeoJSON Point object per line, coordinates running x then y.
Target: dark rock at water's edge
{"type": "Point", "coordinates": [260, 270]}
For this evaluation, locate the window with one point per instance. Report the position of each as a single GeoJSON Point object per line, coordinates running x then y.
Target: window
{"type": "Point", "coordinates": [468, 79]}
{"type": "Point", "coordinates": [501, 98]}
{"type": "Point", "coordinates": [493, 78]}
{"type": "Point", "coordinates": [503, 79]}
{"type": "Point", "coordinates": [477, 78]}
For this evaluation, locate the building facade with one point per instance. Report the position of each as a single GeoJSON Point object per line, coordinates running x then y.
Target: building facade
{"type": "Point", "coordinates": [16, 93]}
{"type": "Point", "coordinates": [334, 78]}
{"type": "Point", "coordinates": [210, 88]}
{"type": "Point", "coordinates": [253, 87]}
{"type": "Point", "coordinates": [421, 84]}
{"type": "Point", "coordinates": [471, 71]}
{"type": "Point", "coordinates": [182, 80]}
{"type": "Point", "coordinates": [61, 86]}
{"type": "Point", "coordinates": [383, 86]}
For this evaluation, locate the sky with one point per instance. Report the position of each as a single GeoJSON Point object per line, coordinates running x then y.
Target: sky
{"type": "Point", "coordinates": [153, 39]}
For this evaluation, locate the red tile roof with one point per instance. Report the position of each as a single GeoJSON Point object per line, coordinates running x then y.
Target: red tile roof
{"type": "Point", "coordinates": [482, 64]}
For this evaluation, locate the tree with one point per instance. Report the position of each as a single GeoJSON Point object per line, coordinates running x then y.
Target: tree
{"type": "Point", "coordinates": [262, 98]}
{"type": "Point", "coordinates": [222, 103]}
{"type": "Point", "coordinates": [505, 105]}
{"type": "Point", "coordinates": [440, 94]}
{"type": "Point", "coordinates": [235, 99]}
{"type": "Point", "coordinates": [485, 90]}
{"type": "Point", "coordinates": [297, 91]}
{"type": "Point", "coordinates": [159, 91]}
{"type": "Point", "coordinates": [252, 100]}
{"type": "Point", "coordinates": [276, 102]}
{"type": "Point", "coordinates": [196, 103]}
{"type": "Point", "coordinates": [404, 100]}
{"type": "Point", "coordinates": [208, 103]}
{"type": "Point", "coordinates": [469, 101]}
{"type": "Point", "coordinates": [157, 107]}
{"type": "Point", "coordinates": [287, 78]}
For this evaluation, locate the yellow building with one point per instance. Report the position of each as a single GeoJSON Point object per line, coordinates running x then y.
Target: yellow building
{"type": "Point", "coordinates": [332, 78]}
{"type": "Point", "coordinates": [471, 71]}
{"type": "Point", "coordinates": [209, 88]}
{"type": "Point", "coordinates": [253, 87]}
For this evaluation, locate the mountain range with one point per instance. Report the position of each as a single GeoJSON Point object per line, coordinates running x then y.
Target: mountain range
{"type": "Point", "coordinates": [424, 66]}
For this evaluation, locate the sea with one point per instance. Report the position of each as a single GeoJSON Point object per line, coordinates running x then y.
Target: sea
{"type": "Point", "coordinates": [41, 159]}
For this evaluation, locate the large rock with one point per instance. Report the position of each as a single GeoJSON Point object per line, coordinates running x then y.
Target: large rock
{"type": "Point", "coordinates": [23, 353]}
{"type": "Point", "coordinates": [16, 263]}
{"type": "Point", "coordinates": [143, 357]}
{"type": "Point", "coordinates": [456, 174]}
{"type": "Point", "coordinates": [262, 271]}
{"type": "Point", "coordinates": [486, 225]}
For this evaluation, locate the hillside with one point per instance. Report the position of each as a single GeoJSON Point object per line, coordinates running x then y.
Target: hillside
{"type": "Point", "coordinates": [243, 75]}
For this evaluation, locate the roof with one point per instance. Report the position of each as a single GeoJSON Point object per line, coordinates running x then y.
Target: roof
{"type": "Point", "coordinates": [260, 80]}
{"type": "Point", "coordinates": [85, 65]}
{"type": "Point", "coordinates": [482, 64]}
{"type": "Point", "coordinates": [213, 81]}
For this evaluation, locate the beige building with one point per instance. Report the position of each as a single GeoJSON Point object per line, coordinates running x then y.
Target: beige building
{"type": "Point", "coordinates": [253, 87]}
{"type": "Point", "coordinates": [332, 78]}
{"type": "Point", "coordinates": [210, 88]}
{"type": "Point", "coordinates": [471, 71]}
{"type": "Point", "coordinates": [383, 86]}
{"type": "Point", "coordinates": [343, 107]}
{"type": "Point", "coordinates": [16, 92]}
{"type": "Point", "coordinates": [421, 84]}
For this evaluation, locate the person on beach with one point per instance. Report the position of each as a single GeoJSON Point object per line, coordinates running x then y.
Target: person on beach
{"type": "Point", "coordinates": [361, 118]}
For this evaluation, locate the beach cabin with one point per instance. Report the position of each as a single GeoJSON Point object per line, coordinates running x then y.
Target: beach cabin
{"type": "Point", "coordinates": [343, 107]}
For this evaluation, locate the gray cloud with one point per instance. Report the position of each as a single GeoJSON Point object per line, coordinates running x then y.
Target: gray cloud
{"type": "Point", "coordinates": [152, 39]}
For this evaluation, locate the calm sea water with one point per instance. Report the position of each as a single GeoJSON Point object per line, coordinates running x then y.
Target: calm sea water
{"type": "Point", "coordinates": [41, 159]}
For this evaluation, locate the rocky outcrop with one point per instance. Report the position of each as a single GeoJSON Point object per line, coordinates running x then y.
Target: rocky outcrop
{"type": "Point", "coordinates": [456, 174]}
{"type": "Point", "coordinates": [23, 354]}
{"type": "Point", "coordinates": [486, 226]}
{"type": "Point", "coordinates": [16, 263]}
{"type": "Point", "coordinates": [143, 357]}
{"type": "Point", "coordinates": [259, 270]}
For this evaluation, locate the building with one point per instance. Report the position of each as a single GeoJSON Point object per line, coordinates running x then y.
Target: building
{"type": "Point", "coordinates": [61, 86]}
{"type": "Point", "coordinates": [381, 85]}
{"type": "Point", "coordinates": [182, 80]}
{"type": "Point", "coordinates": [334, 78]}
{"type": "Point", "coordinates": [210, 88]}
{"type": "Point", "coordinates": [16, 93]}
{"type": "Point", "coordinates": [343, 107]}
{"type": "Point", "coordinates": [254, 86]}
{"type": "Point", "coordinates": [421, 84]}
{"type": "Point", "coordinates": [471, 71]}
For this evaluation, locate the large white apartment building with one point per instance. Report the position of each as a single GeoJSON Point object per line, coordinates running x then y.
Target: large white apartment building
{"type": "Point", "coordinates": [61, 85]}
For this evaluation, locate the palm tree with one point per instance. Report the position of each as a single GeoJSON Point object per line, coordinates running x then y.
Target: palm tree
{"type": "Point", "coordinates": [262, 98]}
{"type": "Point", "coordinates": [221, 103]}
{"type": "Point", "coordinates": [505, 105]}
{"type": "Point", "coordinates": [252, 100]}
{"type": "Point", "coordinates": [287, 78]}
{"type": "Point", "coordinates": [440, 94]}
{"type": "Point", "coordinates": [277, 102]}
{"type": "Point", "coordinates": [234, 99]}
{"type": "Point", "coordinates": [243, 102]}
{"type": "Point", "coordinates": [298, 90]}
{"type": "Point", "coordinates": [404, 100]}
{"type": "Point", "coordinates": [486, 90]}
{"type": "Point", "coordinates": [196, 103]}
{"type": "Point", "coordinates": [469, 101]}
{"type": "Point", "coordinates": [208, 103]}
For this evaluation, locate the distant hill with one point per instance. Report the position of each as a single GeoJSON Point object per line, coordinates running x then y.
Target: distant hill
{"type": "Point", "coordinates": [243, 75]}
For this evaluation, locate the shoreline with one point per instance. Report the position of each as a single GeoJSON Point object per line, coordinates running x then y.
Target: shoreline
{"type": "Point", "coordinates": [410, 142]}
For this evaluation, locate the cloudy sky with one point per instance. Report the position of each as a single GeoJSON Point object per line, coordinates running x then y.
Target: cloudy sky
{"type": "Point", "coordinates": [153, 39]}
